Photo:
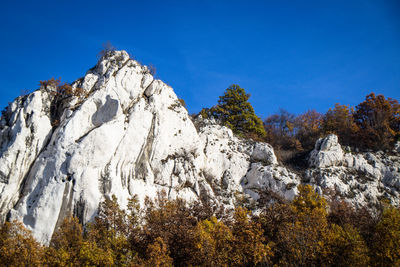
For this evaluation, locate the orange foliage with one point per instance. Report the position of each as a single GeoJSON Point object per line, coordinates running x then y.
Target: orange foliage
{"type": "Point", "coordinates": [379, 121]}
{"type": "Point", "coordinates": [64, 90]}
{"type": "Point", "coordinates": [299, 233]}
{"type": "Point", "coordinates": [340, 121]}
{"type": "Point", "coordinates": [50, 83]}
{"type": "Point", "coordinates": [18, 247]}
{"type": "Point", "coordinates": [309, 128]}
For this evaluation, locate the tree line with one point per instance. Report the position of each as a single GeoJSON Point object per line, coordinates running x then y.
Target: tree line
{"type": "Point", "coordinates": [374, 124]}
{"type": "Point", "coordinates": [309, 231]}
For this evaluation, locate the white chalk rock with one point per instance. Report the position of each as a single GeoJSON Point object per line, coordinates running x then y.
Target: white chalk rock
{"type": "Point", "coordinates": [327, 152]}
{"type": "Point", "coordinates": [131, 136]}
{"type": "Point", "coordinates": [264, 152]}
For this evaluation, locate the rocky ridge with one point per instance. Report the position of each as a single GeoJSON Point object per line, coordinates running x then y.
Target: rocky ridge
{"type": "Point", "coordinates": [130, 135]}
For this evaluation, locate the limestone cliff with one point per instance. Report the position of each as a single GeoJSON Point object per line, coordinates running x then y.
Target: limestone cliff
{"type": "Point", "coordinates": [129, 135]}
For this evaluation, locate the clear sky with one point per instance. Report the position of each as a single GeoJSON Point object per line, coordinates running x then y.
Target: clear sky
{"type": "Point", "coordinates": [297, 55]}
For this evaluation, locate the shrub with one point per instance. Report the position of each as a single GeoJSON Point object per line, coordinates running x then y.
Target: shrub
{"type": "Point", "coordinates": [107, 48]}
{"type": "Point", "coordinates": [62, 94]}
{"type": "Point", "coordinates": [173, 232]}
{"type": "Point", "coordinates": [386, 243]}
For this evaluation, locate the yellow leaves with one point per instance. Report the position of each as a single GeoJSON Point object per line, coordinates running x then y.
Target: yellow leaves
{"type": "Point", "coordinates": [213, 240]}
{"type": "Point", "coordinates": [90, 255]}
{"type": "Point", "coordinates": [387, 238]}
{"type": "Point", "coordinates": [158, 254]}
{"type": "Point", "coordinates": [344, 246]}
{"type": "Point", "coordinates": [379, 121]}
{"type": "Point", "coordinates": [249, 241]}
{"type": "Point", "coordinates": [18, 247]}
{"type": "Point", "coordinates": [308, 201]}
{"type": "Point", "coordinates": [175, 233]}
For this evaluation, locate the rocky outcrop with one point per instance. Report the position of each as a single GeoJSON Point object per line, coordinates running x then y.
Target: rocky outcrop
{"type": "Point", "coordinates": [129, 135]}
{"type": "Point", "coordinates": [360, 178]}
{"type": "Point", "coordinates": [327, 152]}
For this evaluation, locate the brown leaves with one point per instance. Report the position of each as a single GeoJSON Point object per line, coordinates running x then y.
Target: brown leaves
{"type": "Point", "coordinates": [18, 247]}
{"type": "Point", "coordinates": [386, 244]}
{"type": "Point", "coordinates": [63, 90]}
{"type": "Point", "coordinates": [374, 124]}
{"type": "Point", "coordinates": [340, 121]}
{"type": "Point", "coordinates": [379, 121]}
{"type": "Point", "coordinates": [175, 233]}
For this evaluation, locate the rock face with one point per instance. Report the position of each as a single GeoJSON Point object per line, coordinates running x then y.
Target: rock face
{"type": "Point", "coordinates": [360, 178]}
{"type": "Point", "coordinates": [130, 135]}
{"type": "Point", "coordinates": [327, 152]}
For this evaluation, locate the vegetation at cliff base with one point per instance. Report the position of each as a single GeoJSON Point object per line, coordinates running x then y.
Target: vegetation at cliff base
{"type": "Point", "coordinates": [309, 231]}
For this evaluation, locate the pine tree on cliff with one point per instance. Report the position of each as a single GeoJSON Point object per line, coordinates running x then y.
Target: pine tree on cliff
{"type": "Point", "coordinates": [236, 112]}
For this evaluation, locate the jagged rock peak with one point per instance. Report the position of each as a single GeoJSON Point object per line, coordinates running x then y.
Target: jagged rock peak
{"type": "Point", "coordinates": [128, 135]}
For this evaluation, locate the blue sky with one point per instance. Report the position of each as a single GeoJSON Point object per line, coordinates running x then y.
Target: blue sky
{"type": "Point", "coordinates": [296, 55]}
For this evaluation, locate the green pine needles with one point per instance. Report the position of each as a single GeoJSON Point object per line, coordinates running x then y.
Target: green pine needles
{"type": "Point", "coordinates": [235, 112]}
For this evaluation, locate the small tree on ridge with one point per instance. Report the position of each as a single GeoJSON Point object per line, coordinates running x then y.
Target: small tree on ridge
{"type": "Point", "coordinates": [236, 112]}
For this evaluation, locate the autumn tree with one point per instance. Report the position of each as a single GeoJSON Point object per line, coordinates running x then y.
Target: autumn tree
{"type": "Point", "coordinates": [302, 239]}
{"type": "Point", "coordinates": [18, 247]}
{"type": "Point", "coordinates": [280, 130]}
{"type": "Point", "coordinates": [69, 248]}
{"type": "Point", "coordinates": [134, 215]}
{"type": "Point", "coordinates": [379, 121]}
{"type": "Point", "coordinates": [273, 220]}
{"type": "Point", "coordinates": [386, 244]}
{"type": "Point", "coordinates": [110, 230]}
{"type": "Point", "coordinates": [172, 221]}
{"type": "Point", "coordinates": [362, 219]}
{"type": "Point", "coordinates": [308, 128]}
{"type": "Point", "coordinates": [66, 243]}
{"type": "Point", "coordinates": [340, 121]}
{"type": "Point", "coordinates": [213, 243]}
{"type": "Point", "coordinates": [158, 254]}
{"type": "Point", "coordinates": [237, 113]}
{"type": "Point", "coordinates": [344, 246]}
{"type": "Point", "coordinates": [249, 246]}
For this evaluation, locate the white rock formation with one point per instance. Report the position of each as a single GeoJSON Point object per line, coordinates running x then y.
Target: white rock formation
{"type": "Point", "coordinates": [130, 135]}
{"type": "Point", "coordinates": [327, 152]}
{"type": "Point", "coordinates": [363, 179]}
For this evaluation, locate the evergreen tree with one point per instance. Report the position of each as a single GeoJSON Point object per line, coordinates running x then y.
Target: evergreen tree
{"type": "Point", "coordinates": [236, 112]}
